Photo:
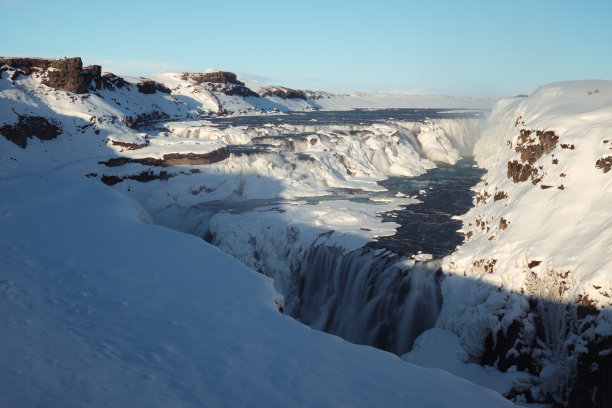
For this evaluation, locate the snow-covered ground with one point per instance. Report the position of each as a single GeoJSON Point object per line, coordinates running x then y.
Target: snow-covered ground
{"type": "Point", "coordinates": [101, 308]}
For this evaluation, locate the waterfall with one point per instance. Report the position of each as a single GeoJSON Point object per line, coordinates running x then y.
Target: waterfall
{"type": "Point", "coordinates": [463, 133]}
{"type": "Point", "coordinates": [367, 296]}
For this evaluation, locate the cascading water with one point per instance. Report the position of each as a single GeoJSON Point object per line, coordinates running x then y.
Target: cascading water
{"type": "Point", "coordinates": [374, 295]}
{"type": "Point", "coordinates": [377, 297]}
{"type": "Point", "coordinates": [368, 296]}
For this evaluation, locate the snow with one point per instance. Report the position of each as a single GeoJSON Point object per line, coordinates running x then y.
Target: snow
{"type": "Point", "coordinates": [568, 228]}
{"type": "Point", "coordinates": [441, 348]}
{"type": "Point", "coordinates": [269, 239]}
{"type": "Point", "coordinates": [374, 101]}
{"type": "Point", "coordinates": [436, 145]}
{"type": "Point", "coordinates": [102, 308]}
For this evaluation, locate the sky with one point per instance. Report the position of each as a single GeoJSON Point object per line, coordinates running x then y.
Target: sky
{"type": "Point", "coordinates": [462, 48]}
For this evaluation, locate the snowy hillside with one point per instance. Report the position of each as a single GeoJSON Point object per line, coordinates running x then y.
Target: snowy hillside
{"type": "Point", "coordinates": [99, 307]}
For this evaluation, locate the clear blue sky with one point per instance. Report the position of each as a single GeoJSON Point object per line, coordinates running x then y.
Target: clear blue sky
{"type": "Point", "coordinates": [457, 47]}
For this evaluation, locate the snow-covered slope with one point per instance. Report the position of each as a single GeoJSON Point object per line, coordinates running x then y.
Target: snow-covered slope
{"type": "Point", "coordinates": [100, 308]}
{"type": "Point", "coordinates": [532, 285]}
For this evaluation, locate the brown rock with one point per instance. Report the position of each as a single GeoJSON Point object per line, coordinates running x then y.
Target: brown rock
{"type": "Point", "coordinates": [518, 172]}
{"type": "Point", "coordinates": [94, 70]}
{"type": "Point", "coordinates": [174, 159]}
{"type": "Point", "coordinates": [150, 87]}
{"type": "Point", "coordinates": [127, 145]}
{"type": "Point", "coordinates": [605, 164]}
{"type": "Point", "coordinates": [67, 74]}
{"type": "Point", "coordinates": [218, 77]}
{"type": "Point", "coordinates": [533, 264]}
{"type": "Point", "coordinates": [531, 149]}
{"type": "Point", "coordinates": [28, 127]}
{"type": "Point", "coordinates": [26, 65]}
{"type": "Point", "coordinates": [500, 195]}
{"type": "Point", "coordinates": [109, 81]}
{"type": "Point", "coordinates": [282, 92]}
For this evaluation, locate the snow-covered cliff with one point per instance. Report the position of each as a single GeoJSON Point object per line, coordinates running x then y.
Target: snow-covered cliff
{"type": "Point", "coordinates": [532, 285]}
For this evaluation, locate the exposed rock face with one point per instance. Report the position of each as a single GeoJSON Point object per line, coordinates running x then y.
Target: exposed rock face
{"type": "Point", "coordinates": [68, 74]}
{"type": "Point", "coordinates": [28, 127]}
{"type": "Point", "coordinates": [231, 90]}
{"type": "Point", "coordinates": [149, 87]}
{"type": "Point", "coordinates": [314, 95]}
{"type": "Point", "coordinates": [26, 65]}
{"type": "Point", "coordinates": [144, 118]}
{"type": "Point", "coordinates": [109, 81]}
{"type": "Point", "coordinates": [218, 77]}
{"type": "Point", "coordinates": [530, 150]}
{"type": "Point", "coordinates": [594, 370]}
{"type": "Point", "coordinates": [65, 74]}
{"type": "Point", "coordinates": [174, 159]}
{"type": "Point", "coordinates": [282, 92]}
{"type": "Point", "coordinates": [221, 82]}
{"type": "Point", "coordinates": [94, 70]}
{"type": "Point", "coordinates": [127, 145]}
{"type": "Point", "coordinates": [142, 177]}
{"type": "Point", "coordinates": [605, 164]}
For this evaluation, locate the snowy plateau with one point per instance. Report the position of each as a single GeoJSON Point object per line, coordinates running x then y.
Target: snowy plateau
{"type": "Point", "coordinates": [190, 240]}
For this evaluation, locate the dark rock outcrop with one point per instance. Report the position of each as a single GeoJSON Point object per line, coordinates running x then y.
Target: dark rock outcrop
{"type": "Point", "coordinates": [521, 172]}
{"type": "Point", "coordinates": [25, 65]}
{"type": "Point", "coordinates": [94, 70]}
{"type": "Point", "coordinates": [592, 385]}
{"type": "Point", "coordinates": [231, 90]}
{"type": "Point", "coordinates": [65, 74]}
{"type": "Point", "coordinates": [150, 87]}
{"type": "Point", "coordinates": [28, 127]}
{"type": "Point", "coordinates": [142, 177]}
{"type": "Point", "coordinates": [127, 145]}
{"type": "Point", "coordinates": [144, 119]}
{"type": "Point", "coordinates": [530, 150]}
{"type": "Point", "coordinates": [218, 77]}
{"type": "Point", "coordinates": [221, 82]}
{"type": "Point", "coordinates": [282, 92]}
{"type": "Point", "coordinates": [604, 164]}
{"type": "Point", "coordinates": [500, 195]}
{"type": "Point", "coordinates": [194, 159]}
{"type": "Point", "coordinates": [108, 81]}
{"type": "Point", "coordinates": [173, 159]}
{"type": "Point", "coordinates": [68, 74]}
